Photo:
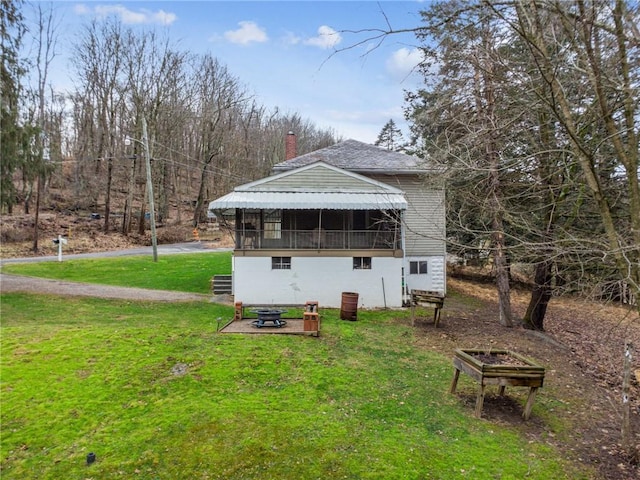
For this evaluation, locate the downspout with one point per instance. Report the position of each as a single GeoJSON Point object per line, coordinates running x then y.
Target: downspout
{"type": "Point", "coordinates": [384, 294]}
{"type": "Point", "coordinates": [444, 245]}
{"type": "Point", "coordinates": [405, 287]}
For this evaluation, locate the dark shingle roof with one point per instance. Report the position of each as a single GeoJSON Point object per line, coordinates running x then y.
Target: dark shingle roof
{"type": "Point", "coordinates": [358, 157]}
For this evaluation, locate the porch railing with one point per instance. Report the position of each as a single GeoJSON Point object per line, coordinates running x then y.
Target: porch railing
{"type": "Point", "coordinates": [318, 239]}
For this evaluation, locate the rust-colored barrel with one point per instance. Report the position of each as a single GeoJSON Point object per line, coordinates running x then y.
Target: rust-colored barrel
{"type": "Point", "coordinates": [349, 306]}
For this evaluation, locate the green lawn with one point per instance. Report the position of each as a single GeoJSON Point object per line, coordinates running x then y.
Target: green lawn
{"type": "Point", "coordinates": [183, 272]}
{"type": "Point", "coordinates": [157, 393]}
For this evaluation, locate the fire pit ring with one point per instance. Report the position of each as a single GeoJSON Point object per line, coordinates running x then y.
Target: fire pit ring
{"type": "Point", "coordinates": [271, 315]}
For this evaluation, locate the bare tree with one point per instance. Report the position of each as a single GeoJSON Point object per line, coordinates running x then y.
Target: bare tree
{"type": "Point", "coordinates": [206, 132]}
{"type": "Point", "coordinates": [567, 74]}
{"type": "Point", "coordinates": [45, 40]}
{"type": "Point", "coordinates": [98, 63]}
{"type": "Point", "coordinates": [156, 90]}
{"type": "Point", "coordinates": [219, 96]}
{"type": "Point", "coordinates": [606, 55]}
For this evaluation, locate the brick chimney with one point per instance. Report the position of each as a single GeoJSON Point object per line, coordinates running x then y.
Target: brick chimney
{"type": "Point", "coordinates": [290, 146]}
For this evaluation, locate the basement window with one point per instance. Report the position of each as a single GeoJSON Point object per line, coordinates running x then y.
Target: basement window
{"type": "Point", "coordinates": [280, 263]}
{"type": "Point", "coordinates": [418, 268]}
{"type": "Point", "coordinates": [362, 263]}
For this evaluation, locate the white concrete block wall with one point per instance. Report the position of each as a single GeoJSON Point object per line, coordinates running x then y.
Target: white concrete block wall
{"type": "Point", "coordinates": [318, 278]}
{"type": "Point", "coordinates": [434, 279]}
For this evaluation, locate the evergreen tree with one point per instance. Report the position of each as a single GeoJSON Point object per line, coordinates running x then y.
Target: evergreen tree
{"type": "Point", "coordinates": [390, 137]}
{"type": "Point", "coordinates": [12, 135]}
{"type": "Point", "coordinates": [503, 112]}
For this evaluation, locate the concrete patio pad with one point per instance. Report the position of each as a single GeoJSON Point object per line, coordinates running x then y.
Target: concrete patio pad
{"type": "Point", "coordinates": [294, 326]}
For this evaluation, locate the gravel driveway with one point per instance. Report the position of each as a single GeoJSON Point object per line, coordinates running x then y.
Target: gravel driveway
{"type": "Point", "coordinates": [18, 283]}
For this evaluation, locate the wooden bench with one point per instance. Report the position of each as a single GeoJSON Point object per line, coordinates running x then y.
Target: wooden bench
{"type": "Point", "coordinates": [426, 298]}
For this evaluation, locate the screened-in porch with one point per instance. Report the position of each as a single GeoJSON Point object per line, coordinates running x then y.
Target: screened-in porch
{"type": "Point", "coordinates": [318, 229]}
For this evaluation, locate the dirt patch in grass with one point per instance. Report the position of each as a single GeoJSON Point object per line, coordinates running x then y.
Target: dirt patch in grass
{"type": "Point", "coordinates": [582, 350]}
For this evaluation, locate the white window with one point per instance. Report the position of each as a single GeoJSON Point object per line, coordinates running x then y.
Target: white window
{"type": "Point", "coordinates": [362, 263]}
{"type": "Point", "coordinates": [280, 263]}
{"type": "Point", "coordinates": [418, 268]}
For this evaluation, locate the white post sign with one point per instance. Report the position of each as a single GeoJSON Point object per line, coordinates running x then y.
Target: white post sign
{"type": "Point", "coordinates": [60, 241]}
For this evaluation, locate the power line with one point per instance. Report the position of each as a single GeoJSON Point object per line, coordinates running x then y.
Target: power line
{"type": "Point", "coordinates": [198, 162]}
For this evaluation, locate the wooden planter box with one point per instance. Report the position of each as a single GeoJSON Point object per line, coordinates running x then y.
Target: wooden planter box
{"type": "Point", "coordinates": [498, 367]}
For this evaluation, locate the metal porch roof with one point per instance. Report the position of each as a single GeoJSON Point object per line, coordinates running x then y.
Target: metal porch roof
{"type": "Point", "coordinates": [311, 200]}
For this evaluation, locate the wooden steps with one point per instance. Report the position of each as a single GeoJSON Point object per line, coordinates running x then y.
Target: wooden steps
{"type": "Point", "coordinates": [222, 284]}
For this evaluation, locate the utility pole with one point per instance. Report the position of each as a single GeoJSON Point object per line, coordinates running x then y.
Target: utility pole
{"type": "Point", "coordinates": [152, 213]}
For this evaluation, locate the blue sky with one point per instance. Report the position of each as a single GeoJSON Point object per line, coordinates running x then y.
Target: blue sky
{"type": "Point", "coordinates": [291, 54]}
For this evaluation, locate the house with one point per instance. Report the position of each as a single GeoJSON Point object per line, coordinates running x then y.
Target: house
{"type": "Point", "coordinates": [351, 217]}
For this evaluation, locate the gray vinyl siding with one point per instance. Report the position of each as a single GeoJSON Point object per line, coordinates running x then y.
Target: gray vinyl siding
{"type": "Point", "coordinates": [425, 230]}
{"type": "Point", "coordinates": [319, 178]}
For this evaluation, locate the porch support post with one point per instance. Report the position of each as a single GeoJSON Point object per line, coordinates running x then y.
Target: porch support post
{"type": "Point", "coordinates": [319, 227]}
{"type": "Point", "coordinates": [239, 222]}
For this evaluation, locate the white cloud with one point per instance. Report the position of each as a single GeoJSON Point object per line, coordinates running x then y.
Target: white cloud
{"type": "Point", "coordinates": [248, 32]}
{"type": "Point", "coordinates": [327, 38]}
{"type": "Point", "coordinates": [81, 9]}
{"type": "Point", "coordinates": [143, 16]}
{"type": "Point", "coordinates": [404, 61]}
{"type": "Point", "coordinates": [291, 38]}
{"type": "Point", "coordinates": [165, 18]}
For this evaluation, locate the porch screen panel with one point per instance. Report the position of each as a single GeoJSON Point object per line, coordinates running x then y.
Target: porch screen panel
{"type": "Point", "coordinates": [273, 224]}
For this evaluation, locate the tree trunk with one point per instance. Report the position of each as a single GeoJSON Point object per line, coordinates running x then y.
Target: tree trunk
{"type": "Point", "coordinates": [27, 198]}
{"type": "Point", "coordinates": [540, 297]}
{"type": "Point", "coordinates": [126, 219]}
{"type": "Point", "coordinates": [197, 214]}
{"type": "Point", "coordinates": [163, 209]}
{"type": "Point", "coordinates": [621, 134]}
{"type": "Point", "coordinates": [141, 219]}
{"type": "Point", "coordinates": [107, 200]}
{"type": "Point", "coordinates": [36, 221]}
{"type": "Point", "coordinates": [492, 159]}
{"type": "Point", "coordinates": [501, 266]}
{"type": "Point", "coordinates": [548, 176]}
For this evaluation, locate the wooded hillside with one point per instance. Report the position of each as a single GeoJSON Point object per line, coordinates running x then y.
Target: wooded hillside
{"type": "Point", "coordinates": [84, 150]}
